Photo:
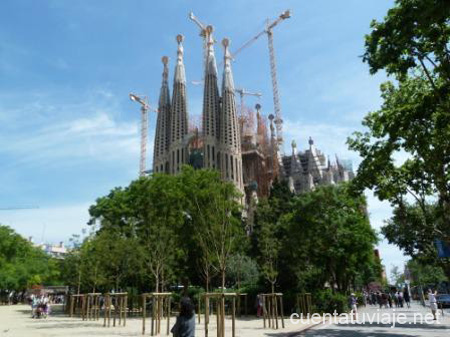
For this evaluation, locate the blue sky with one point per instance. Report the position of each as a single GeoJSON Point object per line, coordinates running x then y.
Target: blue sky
{"type": "Point", "coordinates": [69, 133]}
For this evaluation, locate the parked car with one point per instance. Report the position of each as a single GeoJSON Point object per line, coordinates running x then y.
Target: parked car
{"type": "Point", "coordinates": [444, 300]}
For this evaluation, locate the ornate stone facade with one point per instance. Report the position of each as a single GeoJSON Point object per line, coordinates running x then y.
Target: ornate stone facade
{"type": "Point", "coordinates": [305, 170]}
{"type": "Point", "coordinates": [218, 146]}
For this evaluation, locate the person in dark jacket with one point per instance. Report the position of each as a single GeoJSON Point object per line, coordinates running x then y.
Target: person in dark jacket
{"type": "Point", "coordinates": [406, 297]}
{"type": "Point", "coordinates": [185, 324]}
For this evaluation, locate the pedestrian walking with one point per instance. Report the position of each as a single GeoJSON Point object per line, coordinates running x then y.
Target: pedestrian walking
{"type": "Point", "coordinates": [352, 301]}
{"type": "Point", "coordinates": [34, 305]}
{"type": "Point", "coordinates": [365, 297]}
{"type": "Point", "coordinates": [433, 302]}
{"type": "Point", "coordinates": [259, 306]}
{"type": "Point", "coordinates": [395, 298]}
{"type": "Point", "coordinates": [374, 299]}
{"type": "Point", "coordinates": [400, 299]}
{"type": "Point", "coordinates": [389, 300]}
{"type": "Point", "coordinates": [185, 324]}
{"type": "Point", "coordinates": [406, 297]}
{"type": "Point", "coordinates": [381, 299]}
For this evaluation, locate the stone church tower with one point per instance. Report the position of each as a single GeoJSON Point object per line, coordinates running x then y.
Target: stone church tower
{"type": "Point", "coordinates": [220, 136]}
{"type": "Point", "coordinates": [211, 107]}
{"type": "Point", "coordinates": [230, 163]}
{"type": "Point", "coordinates": [179, 116]}
{"type": "Point", "coordinates": [162, 134]}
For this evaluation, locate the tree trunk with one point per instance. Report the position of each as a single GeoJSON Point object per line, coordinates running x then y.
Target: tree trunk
{"type": "Point", "coordinates": [223, 279]}
{"type": "Point", "coordinates": [79, 282]}
{"type": "Point", "coordinates": [239, 273]}
{"type": "Point", "coordinates": [157, 282]}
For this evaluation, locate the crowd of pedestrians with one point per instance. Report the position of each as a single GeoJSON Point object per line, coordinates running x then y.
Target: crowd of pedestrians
{"type": "Point", "coordinates": [40, 306]}
{"type": "Point", "coordinates": [393, 299]}
{"type": "Point", "coordinates": [397, 299]}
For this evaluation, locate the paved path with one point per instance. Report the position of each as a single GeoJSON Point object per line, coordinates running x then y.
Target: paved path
{"type": "Point", "coordinates": [15, 321]}
{"type": "Point", "coordinates": [384, 327]}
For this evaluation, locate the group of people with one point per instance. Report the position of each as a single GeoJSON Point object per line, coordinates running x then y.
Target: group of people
{"type": "Point", "coordinates": [398, 299]}
{"type": "Point", "coordinates": [40, 306]}
{"type": "Point", "coordinates": [10, 297]}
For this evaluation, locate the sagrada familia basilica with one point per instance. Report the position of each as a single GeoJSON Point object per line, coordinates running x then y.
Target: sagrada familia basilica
{"type": "Point", "coordinates": [245, 155]}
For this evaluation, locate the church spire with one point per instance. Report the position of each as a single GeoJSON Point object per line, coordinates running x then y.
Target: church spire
{"type": "Point", "coordinates": [211, 105]}
{"type": "Point", "coordinates": [179, 114]}
{"type": "Point", "coordinates": [230, 143]}
{"type": "Point", "coordinates": [180, 74]}
{"type": "Point", "coordinates": [162, 123]}
{"type": "Point", "coordinates": [227, 82]}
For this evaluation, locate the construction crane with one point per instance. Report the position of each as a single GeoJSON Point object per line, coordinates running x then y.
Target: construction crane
{"type": "Point", "coordinates": [203, 34]}
{"type": "Point", "coordinates": [246, 121]}
{"type": "Point", "coordinates": [242, 92]}
{"type": "Point", "coordinates": [143, 101]}
{"type": "Point", "coordinates": [14, 208]}
{"type": "Point", "coordinates": [273, 70]}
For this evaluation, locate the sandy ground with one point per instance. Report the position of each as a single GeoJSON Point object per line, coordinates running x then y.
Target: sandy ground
{"type": "Point", "coordinates": [16, 321]}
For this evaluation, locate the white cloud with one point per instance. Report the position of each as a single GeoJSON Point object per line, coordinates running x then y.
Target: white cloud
{"type": "Point", "coordinates": [329, 138]}
{"type": "Point", "coordinates": [50, 224]}
{"type": "Point", "coordinates": [56, 133]}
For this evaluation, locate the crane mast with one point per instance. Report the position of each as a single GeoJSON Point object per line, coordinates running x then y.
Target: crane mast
{"type": "Point", "coordinates": [278, 120]}
{"type": "Point", "coordinates": [143, 101]}
{"type": "Point", "coordinates": [276, 97]}
{"type": "Point", "coordinates": [202, 27]}
{"type": "Point", "coordinates": [242, 92]}
{"type": "Point", "coordinates": [15, 208]}
{"type": "Point", "coordinates": [144, 135]}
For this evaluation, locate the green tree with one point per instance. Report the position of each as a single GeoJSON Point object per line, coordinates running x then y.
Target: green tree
{"type": "Point", "coordinates": [424, 274]}
{"type": "Point", "coordinates": [216, 215]}
{"type": "Point", "coordinates": [22, 264]}
{"type": "Point", "coordinates": [138, 226]}
{"type": "Point", "coordinates": [159, 218]}
{"type": "Point", "coordinates": [407, 124]}
{"type": "Point", "coordinates": [269, 235]}
{"type": "Point", "coordinates": [330, 239]}
{"type": "Point", "coordinates": [269, 242]}
{"type": "Point", "coordinates": [411, 44]}
{"type": "Point", "coordinates": [242, 271]}
{"type": "Point", "coordinates": [162, 221]}
{"type": "Point", "coordinates": [397, 276]}
{"type": "Point", "coordinates": [414, 33]}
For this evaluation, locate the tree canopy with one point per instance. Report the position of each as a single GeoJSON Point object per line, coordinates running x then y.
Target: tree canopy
{"type": "Point", "coordinates": [313, 239]}
{"type": "Point", "coordinates": [161, 230]}
{"type": "Point", "coordinates": [22, 265]}
{"type": "Point", "coordinates": [406, 145]}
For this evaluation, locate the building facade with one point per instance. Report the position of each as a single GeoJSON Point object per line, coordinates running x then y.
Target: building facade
{"type": "Point", "coordinates": [306, 170]}
{"type": "Point", "coordinates": [247, 157]}
{"type": "Point", "coordinates": [218, 145]}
